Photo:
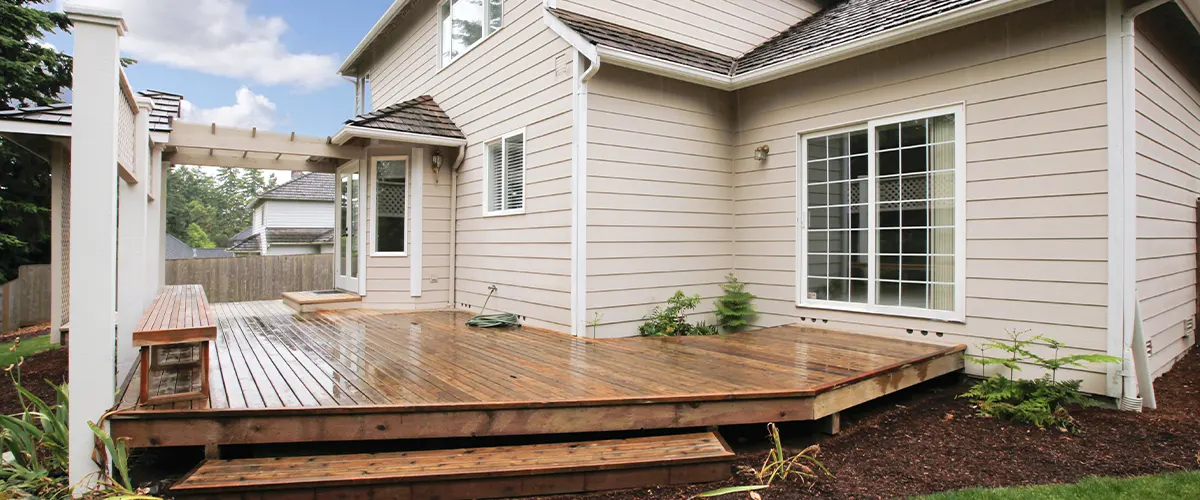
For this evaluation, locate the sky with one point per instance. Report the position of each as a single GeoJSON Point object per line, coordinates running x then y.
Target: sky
{"type": "Point", "coordinates": [270, 64]}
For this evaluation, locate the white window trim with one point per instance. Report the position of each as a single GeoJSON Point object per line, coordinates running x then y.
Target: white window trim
{"type": "Point", "coordinates": [442, 63]}
{"type": "Point", "coordinates": [958, 315]}
{"type": "Point", "coordinates": [373, 193]}
{"type": "Point", "coordinates": [487, 171]}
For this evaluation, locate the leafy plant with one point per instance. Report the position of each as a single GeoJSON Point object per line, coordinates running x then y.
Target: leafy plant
{"type": "Point", "coordinates": [778, 465]}
{"type": "Point", "coordinates": [671, 321]}
{"type": "Point", "coordinates": [595, 322]}
{"type": "Point", "coordinates": [37, 440]}
{"type": "Point", "coordinates": [1041, 402]}
{"type": "Point", "coordinates": [734, 309]}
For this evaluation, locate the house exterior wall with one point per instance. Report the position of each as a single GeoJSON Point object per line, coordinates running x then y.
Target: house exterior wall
{"type": "Point", "coordinates": [257, 219]}
{"type": "Point", "coordinates": [518, 78]}
{"type": "Point", "coordinates": [1033, 84]}
{"type": "Point", "coordinates": [1168, 184]}
{"type": "Point", "coordinates": [297, 214]}
{"type": "Point", "coordinates": [660, 197]}
{"type": "Point", "coordinates": [728, 27]}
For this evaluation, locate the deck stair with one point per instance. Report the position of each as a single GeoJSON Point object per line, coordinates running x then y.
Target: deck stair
{"type": "Point", "coordinates": [505, 471]}
{"type": "Point", "coordinates": [322, 300]}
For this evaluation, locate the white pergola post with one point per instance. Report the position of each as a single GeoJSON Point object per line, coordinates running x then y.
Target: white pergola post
{"type": "Point", "coordinates": [163, 170]}
{"type": "Point", "coordinates": [132, 262]}
{"type": "Point", "coordinates": [93, 247]}
{"type": "Point", "coordinates": [58, 172]}
{"type": "Point", "coordinates": [155, 230]}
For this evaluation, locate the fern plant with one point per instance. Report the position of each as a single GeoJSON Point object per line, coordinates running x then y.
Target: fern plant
{"type": "Point", "coordinates": [735, 309]}
{"type": "Point", "coordinates": [1041, 402]}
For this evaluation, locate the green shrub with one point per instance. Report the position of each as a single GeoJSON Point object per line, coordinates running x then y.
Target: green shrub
{"type": "Point", "coordinates": [671, 321]}
{"type": "Point", "coordinates": [735, 310]}
{"type": "Point", "coordinates": [1042, 401]}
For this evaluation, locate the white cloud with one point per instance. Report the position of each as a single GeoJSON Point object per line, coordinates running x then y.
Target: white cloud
{"type": "Point", "coordinates": [250, 110]}
{"type": "Point", "coordinates": [219, 37]}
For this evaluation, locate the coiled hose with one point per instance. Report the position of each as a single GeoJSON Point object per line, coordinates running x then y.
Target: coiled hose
{"type": "Point", "coordinates": [492, 320]}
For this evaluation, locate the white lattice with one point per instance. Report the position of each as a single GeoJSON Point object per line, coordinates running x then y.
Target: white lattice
{"type": "Point", "coordinates": [390, 202]}
{"type": "Point", "coordinates": [125, 130]}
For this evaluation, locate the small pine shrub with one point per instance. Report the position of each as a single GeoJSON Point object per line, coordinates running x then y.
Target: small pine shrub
{"type": "Point", "coordinates": [1041, 402]}
{"type": "Point", "coordinates": [671, 321]}
{"type": "Point", "coordinates": [735, 310]}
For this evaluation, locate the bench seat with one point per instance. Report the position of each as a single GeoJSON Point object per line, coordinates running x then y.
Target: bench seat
{"type": "Point", "coordinates": [179, 316]}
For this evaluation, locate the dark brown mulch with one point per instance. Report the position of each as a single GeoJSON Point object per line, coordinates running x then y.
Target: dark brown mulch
{"type": "Point", "coordinates": [35, 371]}
{"type": "Point", "coordinates": [27, 332]}
{"type": "Point", "coordinates": [926, 441]}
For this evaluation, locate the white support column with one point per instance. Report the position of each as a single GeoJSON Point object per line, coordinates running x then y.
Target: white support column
{"type": "Point", "coordinates": [132, 259]}
{"type": "Point", "coordinates": [58, 167]}
{"type": "Point", "coordinates": [154, 227]}
{"type": "Point", "coordinates": [92, 356]}
{"type": "Point", "coordinates": [163, 170]}
{"type": "Point", "coordinates": [417, 214]}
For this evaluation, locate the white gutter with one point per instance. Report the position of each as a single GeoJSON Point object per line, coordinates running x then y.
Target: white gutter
{"type": "Point", "coordinates": [352, 132]}
{"type": "Point", "coordinates": [923, 28]}
{"type": "Point", "coordinates": [587, 63]}
{"type": "Point", "coordinates": [376, 30]}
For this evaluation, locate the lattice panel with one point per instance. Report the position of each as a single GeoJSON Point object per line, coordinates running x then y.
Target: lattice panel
{"type": "Point", "coordinates": [390, 199]}
{"type": "Point", "coordinates": [914, 190]}
{"type": "Point", "coordinates": [126, 128]}
{"type": "Point", "coordinates": [65, 256]}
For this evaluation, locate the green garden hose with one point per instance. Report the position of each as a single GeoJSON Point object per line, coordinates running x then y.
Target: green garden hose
{"type": "Point", "coordinates": [492, 320]}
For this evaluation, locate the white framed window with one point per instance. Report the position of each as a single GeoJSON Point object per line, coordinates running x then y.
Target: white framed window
{"type": "Point", "coordinates": [882, 216]}
{"type": "Point", "coordinates": [389, 204]}
{"type": "Point", "coordinates": [463, 24]}
{"type": "Point", "coordinates": [504, 175]}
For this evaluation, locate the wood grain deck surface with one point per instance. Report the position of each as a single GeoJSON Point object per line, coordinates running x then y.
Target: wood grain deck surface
{"type": "Point", "coordinates": [268, 357]}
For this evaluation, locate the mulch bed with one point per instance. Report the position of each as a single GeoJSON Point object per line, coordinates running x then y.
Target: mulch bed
{"type": "Point", "coordinates": [925, 441]}
{"type": "Point", "coordinates": [35, 371]}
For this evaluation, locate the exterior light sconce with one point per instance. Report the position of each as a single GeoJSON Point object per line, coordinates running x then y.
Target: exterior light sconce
{"type": "Point", "coordinates": [436, 161]}
{"type": "Point", "coordinates": [761, 153]}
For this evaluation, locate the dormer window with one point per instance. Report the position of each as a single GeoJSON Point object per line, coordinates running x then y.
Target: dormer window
{"type": "Point", "coordinates": [465, 23]}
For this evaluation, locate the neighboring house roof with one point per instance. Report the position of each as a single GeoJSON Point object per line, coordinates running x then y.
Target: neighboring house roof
{"type": "Point", "coordinates": [167, 107]}
{"type": "Point", "coordinates": [178, 250]}
{"type": "Point", "coordinates": [837, 24]}
{"type": "Point", "coordinates": [309, 187]}
{"type": "Point", "coordinates": [284, 236]}
{"type": "Point", "coordinates": [420, 116]}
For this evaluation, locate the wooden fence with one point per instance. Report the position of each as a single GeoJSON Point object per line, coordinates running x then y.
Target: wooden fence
{"type": "Point", "coordinates": [25, 300]}
{"type": "Point", "coordinates": [239, 279]}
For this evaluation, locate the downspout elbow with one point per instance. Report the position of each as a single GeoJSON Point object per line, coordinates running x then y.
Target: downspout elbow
{"type": "Point", "coordinates": [462, 156]}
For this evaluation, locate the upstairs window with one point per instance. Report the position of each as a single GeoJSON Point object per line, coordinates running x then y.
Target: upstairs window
{"type": "Point", "coordinates": [505, 173]}
{"type": "Point", "coordinates": [465, 23]}
{"type": "Point", "coordinates": [882, 215]}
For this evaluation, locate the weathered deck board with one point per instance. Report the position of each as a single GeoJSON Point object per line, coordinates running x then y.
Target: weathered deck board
{"type": "Point", "coordinates": [269, 359]}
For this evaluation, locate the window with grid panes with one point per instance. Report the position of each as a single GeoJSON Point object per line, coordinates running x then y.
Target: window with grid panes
{"type": "Point", "coordinates": [880, 215]}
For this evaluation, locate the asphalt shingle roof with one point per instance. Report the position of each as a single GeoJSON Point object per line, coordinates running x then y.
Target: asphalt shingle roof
{"type": "Point", "coordinates": [417, 116]}
{"type": "Point", "coordinates": [167, 107]}
{"type": "Point", "coordinates": [309, 187]}
{"type": "Point", "coordinates": [54, 114]}
{"type": "Point", "coordinates": [299, 235]}
{"type": "Point", "coordinates": [178, 250]}
{"type": "Point", "coordinates": [251, 244]}
{"type": "Point", "coordinates": [839, 23]}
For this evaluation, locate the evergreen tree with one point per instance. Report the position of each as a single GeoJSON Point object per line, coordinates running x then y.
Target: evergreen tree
{"type": "Point", "coordinates": [734, 309]}
{"type": "Point", "coordinates": [31, 74]}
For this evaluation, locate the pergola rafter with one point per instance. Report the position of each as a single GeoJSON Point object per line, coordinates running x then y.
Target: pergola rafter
{"type": "Point", "coordinates": [216, 146]}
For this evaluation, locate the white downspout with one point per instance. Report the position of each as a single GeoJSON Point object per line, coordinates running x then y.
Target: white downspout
{"type": "Point", "coordinates": [458, 161]}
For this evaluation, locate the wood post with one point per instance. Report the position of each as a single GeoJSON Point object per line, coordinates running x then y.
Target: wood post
{"type": "Point", "coordinates": [92, 356]}
{"type": "Point", "coordinates": [831, 424]}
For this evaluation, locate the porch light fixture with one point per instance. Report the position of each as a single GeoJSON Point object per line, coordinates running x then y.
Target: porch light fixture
{"type": "Point", "coordinates": [761, 153]}
{"type": "Point", "coordinates": [436, 161]}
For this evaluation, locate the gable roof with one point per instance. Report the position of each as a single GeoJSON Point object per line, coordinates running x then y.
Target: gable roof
{"type": "Point", "coordinates": [841, 26]}
{"type": "Point", "coordinates": [315, 186]}
{"type": "Point", "coordinates": [420, 116]}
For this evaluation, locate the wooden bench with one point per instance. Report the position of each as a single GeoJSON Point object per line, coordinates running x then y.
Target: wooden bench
{"type": "Point", "coordinates": [503, 471]}
{"type": "Point", "coordinates": [179, 316]}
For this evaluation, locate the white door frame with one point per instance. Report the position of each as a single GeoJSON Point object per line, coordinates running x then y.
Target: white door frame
{"type": "Point", "coordinates": [341, 263]}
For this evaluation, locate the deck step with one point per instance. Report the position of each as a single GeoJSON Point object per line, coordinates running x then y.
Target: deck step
{"type": "Point", "coordinates": [324, 300]}
{"type": "Point", "coordinates": [504, 471]}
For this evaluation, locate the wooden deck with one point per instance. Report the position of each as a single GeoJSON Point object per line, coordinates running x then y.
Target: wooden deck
{"type": "Point", "coordinates": [279, 376]}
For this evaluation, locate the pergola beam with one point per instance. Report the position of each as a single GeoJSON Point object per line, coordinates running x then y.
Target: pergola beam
{"type": "Point", "coordinates": [218, 160]}
{"type": "Point", "coordinates": [191, 135]}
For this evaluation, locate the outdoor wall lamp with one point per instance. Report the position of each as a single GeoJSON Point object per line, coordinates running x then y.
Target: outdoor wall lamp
{"type": "Point", "coordinates": [436, 160]}
{"type": "Point", "coordinates": [761, 153]}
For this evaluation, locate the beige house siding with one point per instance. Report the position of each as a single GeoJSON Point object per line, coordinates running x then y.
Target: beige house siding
{"type": "Point", "coordinates": [1168, 183]}
{"type": "Point", "coordinates": [659, 195]}
{"type": "Point", "coordinates": [730, 27]}
{"type": "Point", "coordinates": [1033, 84]}
{"type": "Point", "coordinates": [519, 78]}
